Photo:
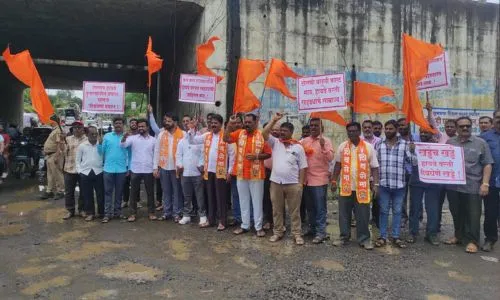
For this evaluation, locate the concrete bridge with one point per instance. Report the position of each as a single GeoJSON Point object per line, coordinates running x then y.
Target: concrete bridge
{"type": "Point", "coordinates": [105, 40]}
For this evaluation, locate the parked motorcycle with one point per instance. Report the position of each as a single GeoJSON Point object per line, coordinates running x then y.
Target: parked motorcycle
{"type": "Point", "coordinates": [26, 152]}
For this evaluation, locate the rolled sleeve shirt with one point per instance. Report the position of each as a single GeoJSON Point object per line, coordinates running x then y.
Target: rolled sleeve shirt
{"type": "Point", "coordinates": [477, 155]}
{"type": "Point", "coordinates": [142, 153]}
{"type": "Point", "coordinates": [188, 157]}
{"type": "Point", "coordinates": [318, 162]}
{"type": "Point", "coordinates": [88, 159]}
{"type": "Point", "coordinates": [287, 162]}
{"type": "Point", "coordinates": [393, 162]}
{"type": "Point", "coordinates": [492, 137]}
{"type": "Point", "coordinates": [116, 158]}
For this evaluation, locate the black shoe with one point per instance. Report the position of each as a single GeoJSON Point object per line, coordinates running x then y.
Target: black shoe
{"type": "Point", "coordinates": [58, 196]}
{"type": "Point", "coordinates": [433, 240]}
{"type": "Point", "coordinates": [46, 195]}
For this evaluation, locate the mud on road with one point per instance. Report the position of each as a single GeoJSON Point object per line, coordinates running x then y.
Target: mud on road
{"type": "Point", "coordinates": [42, 256]}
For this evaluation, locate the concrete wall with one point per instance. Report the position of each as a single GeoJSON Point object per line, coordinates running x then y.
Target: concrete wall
{"type": "Point", "coordinates": [320, 36]}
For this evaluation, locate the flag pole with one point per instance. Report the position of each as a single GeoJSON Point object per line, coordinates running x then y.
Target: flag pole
{"type": "Point", "coordinates": [353, 79]}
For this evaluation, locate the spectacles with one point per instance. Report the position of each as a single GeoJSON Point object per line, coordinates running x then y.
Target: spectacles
{"type": "Point", "coordinates": [464, 126]}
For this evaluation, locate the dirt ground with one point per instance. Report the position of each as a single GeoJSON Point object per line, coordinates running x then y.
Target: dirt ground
{"type": "Point", "coordinates": [44, 257]}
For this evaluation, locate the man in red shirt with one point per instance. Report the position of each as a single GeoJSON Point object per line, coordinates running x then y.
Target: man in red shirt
{"type": "Point", "coordinates": [251, 151]}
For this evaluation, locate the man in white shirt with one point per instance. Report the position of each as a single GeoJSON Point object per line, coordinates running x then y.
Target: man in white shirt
{"type": "Point", "coordinates": [89, 165]}
{"type": "Point", "coordinates": [217, 161]}
{"type": "Point", "coordinates": [188, 161]}
{"type": "Point", "coordinates": [287, 178]}
{"type": "Point", "coordinates": [142, 147]}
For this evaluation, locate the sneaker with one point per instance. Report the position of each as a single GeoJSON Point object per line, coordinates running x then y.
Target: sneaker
{"type": "Point", "coordinates": [487, 247]}
{"type": "Point", "coordinates": [89, 218]}
{"type": "Point", "coordinates": [124, 204]}
{"type": "Point", "coordinates": [4, 175]}
{"type": "Point", "coordinates": [318, 239]}
{"type": "Point", "coordinates": [368, 245]}
{"type": "Point", "coordinates": [433, 240]}
{"type": "Point", "coordinates": [46, 195]}
{"type": "Point", "coordinates": [185, 220]}
{"type": "Point", "coordinates": [105, 220]}
{"type": "Point", "coordinates": [68, 216]}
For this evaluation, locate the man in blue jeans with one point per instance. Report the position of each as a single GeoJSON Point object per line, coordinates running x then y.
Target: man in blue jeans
{"type": "Point", "coordinates": [392, 154]}
{"type": "Point", "coordinates": [432, 194]}
{"type": "Point", "coordinates": [116, 160]}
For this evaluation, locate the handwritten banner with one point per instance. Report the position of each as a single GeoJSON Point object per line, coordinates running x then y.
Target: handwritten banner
{"type": "Point", "coordinates": [443, 114]}
{"type": "Point", "coordinates": [438, 74]}
{"type": "Point", "coordinates": [197, 89]}
{"type": "Point", "coordinates": [321, 93]}
{"type": "Point", "coordinates": [103, 97]}
{"type": "Point", "coordinates": [440, 163]}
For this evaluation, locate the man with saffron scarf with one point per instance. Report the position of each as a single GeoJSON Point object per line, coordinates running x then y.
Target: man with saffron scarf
{"type": "Point", "coordinates": [251, 152]}
{"type": "Point", "coordinates": [165, 167]}
{"type": "Point", "coordinates": [287, 178]}
{"type": "Point", "coordinates": [356, 160]}
{"type": "Point", "coordinates": [217, 160]}
{"type": "Point", "coordinates": [319, 152]}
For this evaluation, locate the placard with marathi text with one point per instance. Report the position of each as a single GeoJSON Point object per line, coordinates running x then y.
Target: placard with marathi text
{"type": "Point", "coordinates": [321, 93]}
{"type": "Point", "coordinates": [440, 163]}
{"type": "Point", "coordinates": [438, 74]}
{"type": "Point", "coordinates": [103, 97]}
{"type": "Point", "coordinates": [197, 89]}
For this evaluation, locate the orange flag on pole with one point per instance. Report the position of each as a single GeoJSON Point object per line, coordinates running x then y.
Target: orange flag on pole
{"type": "Point", "coordinates": [22, 67]}
{"type": "Point", "coordinates": [278, 71]}
{"type": "Point", "coordinates": [203, 53]}
{"type": "Point", "coordinates": [367, 98]}
{"type": "Point", "coordinates": [154, 61]}
{"type": "Point", "coordinates": [416, 57]}
{"type": "Point", "coordinates": [244, 98]}
{"type": "Point", "coordinates": [333, 116]}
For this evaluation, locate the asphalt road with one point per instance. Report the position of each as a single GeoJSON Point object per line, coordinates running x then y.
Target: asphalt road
{"type": "Point", "coordinates": [44, 257]}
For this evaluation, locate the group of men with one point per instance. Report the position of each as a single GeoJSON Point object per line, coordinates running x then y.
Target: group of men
{"type": "Point", "coordinates": [263, 175]}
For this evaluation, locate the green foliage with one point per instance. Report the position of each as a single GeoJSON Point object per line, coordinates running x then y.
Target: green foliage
{"type": "Point", "coordinates": [138, 98]}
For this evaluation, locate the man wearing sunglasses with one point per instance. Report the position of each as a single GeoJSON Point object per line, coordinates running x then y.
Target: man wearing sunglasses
{"type": "Point", "coordinates": [465, 200]}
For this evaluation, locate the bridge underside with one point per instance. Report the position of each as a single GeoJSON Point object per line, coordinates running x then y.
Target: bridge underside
{"type": "Point", "coordinates": [111, 32]}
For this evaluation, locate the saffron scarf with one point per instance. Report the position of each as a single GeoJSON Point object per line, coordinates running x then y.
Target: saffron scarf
{"type": "Point", "coordinates": [221, 167]}
{"type": "Point", "coordinates": [257, 170]}
{"type": "Point", "coordinates": [363, 176]}
{"type": "Point", "coordinates": [164, 145]}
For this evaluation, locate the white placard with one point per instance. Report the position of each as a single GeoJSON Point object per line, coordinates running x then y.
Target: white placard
{"type": "Point", "coordinates": [103, 97]}
{"type": "Point", "coordinates": [438, 74]}
{"type": "Point", "coordinates": [442, 114]}
{"type": "Point", "coordinates": [133, 105]}
{"type": "Point", "coordinates": [321, 93]}
{"type": "Point", "coordinates": [197, 89]}
{"type": "Point", "coordinates": [440, 163]}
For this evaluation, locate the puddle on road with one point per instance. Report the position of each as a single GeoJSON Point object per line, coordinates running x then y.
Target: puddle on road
{"type": "Point", "coordinates": [65, 237]}
{"type": "Point", "coordinates": [459, 277]}
{"type": "Point", "coordinates": [438, 297]}
{"type": "Point", "coordinates": [131, 271]}
{"type": "Point", "coordinates": [329, 265]}
{"type": "Point", "coordinates": [100, 294]}
{"type": "Point", "coordinates": [179, 248]}
{"type": "Point", "coordinates": [47, 284]}
{"type": "Point", "coordinates": [166, 293]}
{"type": "Point", "coordinates": [53, 215]}
{"type": "Point", "coordinates": [14, 229]}
{"type": "Point", "coordinates": [444, 264]}
{"type": "Point", "coordinates": [89, 250]}
{"type": "Point", "coordinates": [35, 270]}
{"type": "Point", "coordinates": [241, 260]}
{"type": "Point", "coordinates": [23, 208]}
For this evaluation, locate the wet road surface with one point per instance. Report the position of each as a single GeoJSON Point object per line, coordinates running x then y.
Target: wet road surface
{"type": "Point", "coordinates": [44, 257]}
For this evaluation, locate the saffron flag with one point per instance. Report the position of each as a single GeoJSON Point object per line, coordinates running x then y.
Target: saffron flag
{"type": "Point", "coordinates": [203, 53]}
{"type": "Point", "coordinates": [367, 98]}
{"type": "Point", "coordinates": [333, 116]}
{"type": "Point", "coordinates": [416, 57]}
{"type": "Point", "coordinates": [22, 67]}
{"type": "Point", "coordinates": [154, 61]}
{"type": "Point", "coordinates": [244, 98]}
{"type": "Point", "coordinates": [278, 71]}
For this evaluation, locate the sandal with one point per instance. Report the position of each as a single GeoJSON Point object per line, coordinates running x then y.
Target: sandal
{"type": "Point", "coordinates": [159, 208]}
{"type": "Point", "coordinates": [221, 227]}
{"type": "Point", "coordinates": [240, 230]}
{"type": "Point", "coordinates": [471, 248]}
{"type": "Point", "coordinates": [204, 225]}
{"type": "Point", "coordinates": [399, 242]}
{"type": "Point", "coordinates": [267, 226]}
{"type": "Point", "coordinates": [261, 233]}
{"type": "Point", "coordinates": [153, 218]}
{"type": "Point", "coordinates": [380, 242]}
{"type": "Point", "coordinates": [452, 241]}
{"type": "Point", "coordinates": [131, 218]}
{"type": "Point", "coordinates": [411, 239]}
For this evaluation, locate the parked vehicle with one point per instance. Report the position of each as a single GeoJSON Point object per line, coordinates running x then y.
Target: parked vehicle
{"type": "Point", "coordinates": [26, 152]}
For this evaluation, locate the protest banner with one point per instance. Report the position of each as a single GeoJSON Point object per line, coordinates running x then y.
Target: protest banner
{"type": "Point", "coordinates": [103, 97]}
{"type": "Point", "coordinates": [442, 114]}
{"type": "Point", "coordinates": [197, 89]}
{"type": "Point", "coordinates": [321, 93]}
{"type": "Point", "coordinates": [438, 75]}
{"type": "Point", "coordinates": [440, 163]}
